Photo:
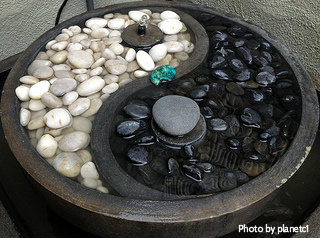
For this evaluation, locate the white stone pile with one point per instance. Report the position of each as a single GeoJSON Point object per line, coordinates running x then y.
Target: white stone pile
{"type": "Point", "coordinates": [67, 84]}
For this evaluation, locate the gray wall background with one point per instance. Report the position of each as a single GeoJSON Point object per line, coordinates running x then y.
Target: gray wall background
{"type": "Point", "coordinates": [295, 22]}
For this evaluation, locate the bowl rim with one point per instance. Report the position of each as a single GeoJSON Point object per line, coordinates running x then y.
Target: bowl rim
{"type": "Point", "coordinates": [146, 210]}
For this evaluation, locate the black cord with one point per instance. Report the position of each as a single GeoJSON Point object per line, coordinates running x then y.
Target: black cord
{"type": "Point", "coordinates": [90, 5]}
{"type": "Point", "coordinates": [60, 11]}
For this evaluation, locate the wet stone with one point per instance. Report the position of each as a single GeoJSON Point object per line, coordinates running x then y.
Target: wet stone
{"type": "Point", "coordinates": [234, 88]}
{"type": "Point", "coordinates": [217, 89]}
{"type": "Point", "coordinates": [253, 44]}
{"type": "Point", "coordinates": [218, 124]}
{"type": "Point", "coordinates": [239, 42]}
{"type": "Point", "coordinates": [265, 78]}
{"type": "Point", "coordinates": [245, 54]}
{"type": "Point", "coordinates": [138, 155]}
{"type": "Point", "coordinates": [255, 96]}
{"type": "Point", "coordinates": [233, 143]}
{"type": "Point", "coordinates": [219, 36]}
{"type": "Point", "coordinates": [217, 62]}
{"type": "Point", "coordinates": [206, 112]}
{"type": "Point", "coordinates": [282, 74]}
{"type": "Point", "coordinates": [205, 167]}
{"type": "Point", "coordinates": [221, 74]}
{"type": "Point", "coordinates": [137, 110]}
{"type": "Point", "coordinates": [236, 30]}
{"type": "Point", "coordinates": [145, 140]}
{"type": "Point", "coordinates": [237, 64]}
{"type": "Point", "coordinates": [173, 166]}
{"type": "Point", "coordinates": [192, 172]}
{"type": "Point", "coordinates": [198, 93]}
{"type": "Point", "coordinates": [250, 116]}
{"type": "Point", "coordinates": [190, 151]}
{"type": "Point", "coordinates": [128, 128]}
{"type": "Point", "coordinates": [243, 76]}
{"type": "Point", "coordinates": [267, 68]}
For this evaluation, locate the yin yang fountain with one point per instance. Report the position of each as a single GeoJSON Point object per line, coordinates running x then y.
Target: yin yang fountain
{"type": "Point", "coordinates": [192, 151]}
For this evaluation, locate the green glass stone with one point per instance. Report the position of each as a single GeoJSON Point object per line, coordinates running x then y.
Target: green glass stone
{"type": "Point", "coordinates": [162, 73]}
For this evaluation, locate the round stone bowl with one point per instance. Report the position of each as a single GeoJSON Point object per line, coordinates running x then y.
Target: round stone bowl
{"type": "Point", "coordinates": [115, 216]}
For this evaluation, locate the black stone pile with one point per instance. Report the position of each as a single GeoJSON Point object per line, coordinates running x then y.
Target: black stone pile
{"type": "Point", "coordinates": [251, 102]}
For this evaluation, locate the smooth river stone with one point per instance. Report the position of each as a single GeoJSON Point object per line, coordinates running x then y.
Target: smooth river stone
{"type": "Point", "coordinates": [96, 22]}
{"type": "Point", "coordinates": [36, 105]}
{"type": "Point", "coordinates": [116, 23]}
{"type": "Point", "coordinates": [158, 52]}
{"type": "Point", "coordinates": [25, 116]}
{"type": "Point", "coordinates": [79, 106]}
{"type": "Point", "coordinates": [115, 66]}
{"type": "Point", "coordinates": [82, 124]}
{"type": "Point", "coordinates": [59, 57]}
{"type": "Point", "coordinates": [170, 26]}
{"type": "Point", "coordinates": [165, 15]}
{"type": "Point", "coordinates": [176, 115]}
{"type": "Point", "coordinates": [58, 118]}
{"type": "Point", "coordinates": [38, 89]}
{"type": "Point", "coordinates": [38, 64]}
{"type": "Point", "coordinates": [110, 88]}
{"type": "Point", "coordinates": [89, 170]}
{"type": "Point", "coordinates": [130, 55]}
{"type": "Point", "coordinates": [74, 141]}
{"type": "Point", "coordinates": [91, 86]}
{"type": "Point", "coordinates": [22, 92]}
{"type": "Point", "coordinates": [174, 46]}
{"type": "Point", "coordinates": [28, 79]}
{"type": "Point", "coordinates": [145, 61]}
{"type": "Point", "coordinates": [70, 97]}
{"type": "Point", "coordinates": [80, 59]}
{"type": "Point", "coordinates": [51, 100]}
{"type": "Point", "coordinates": [47, 146]}
{"type": "Point", "coordinates": [100, 33]}
{"type": "Point", "coordinates": [137, 15]}
{"type": "Point", "coordinates": [62, 86]}
{"type": "Point", "coordinates": [43, 72]}
{"type": "Point", "coordinates": [68, 164]}
{"type": "Point", "coordinates": [95, 105]}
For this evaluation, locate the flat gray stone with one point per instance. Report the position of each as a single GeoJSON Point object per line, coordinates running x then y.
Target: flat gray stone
{"type": "Point", "coordinates": [176, 115]}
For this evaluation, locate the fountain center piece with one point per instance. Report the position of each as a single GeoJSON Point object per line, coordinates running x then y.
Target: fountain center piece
{"type": "Point", "coordinates": [177, 120]}
{"type": "Point", "coordinates": [142, 34]}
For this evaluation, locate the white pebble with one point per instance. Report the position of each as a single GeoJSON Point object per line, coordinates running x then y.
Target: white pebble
{"type": "Point", "coordinates": [89, 183]}
{"type": "Point", "coordinates": [116, 23]}
{"type": "Point", "coordinates": [137, 15]}
{"type": "Point", "coordinates": [100, 22]}
{"type": "Point", "coordinates": [169, 15]}
{"type": "Point", "coordinates": [174, 46]}
{"type": "Point", "coordinates": [58, 118]}
{"type": "Point", "coordinates": [25, 116]}
{"type": "Point", "coordinates": [102, 189]}
{"type": "Point", "coordinates": [116, 48]}
{"type": "Point", "coordinates": [74, 46]}
{"type": "Point", "coordinates": [79, 71]}
{"type": "Point", "coordinates": [36, 123]}
{"type": "Point", "coordinates": [84, 155]}
{"type": "Point", "coordinates": [38, 89]}
{"type": "Point", "coordinates": [110, 78]}
{"type": "Point", "coordinates": [47, 146]}
{"type": "Point", "coordinates": [59, 67]}
{"type": "Point", "coordinates": [74, 141]}
{"type": "Point", "coordinates": [145, 61]}
{"type": "Point", "coordinates": [60, 45]}
{"type": "Point", "coordinates": [114, 33]}
{"type": "Point", "coordinates": [82, 124]}
{"type": "Point", "coordinates": [140, 73]}
{"type": "Point", "coordinates": [79, 106]}
{"type": "Point", "coordinates": [74, 29]}
{"type": "Point", "coordinates": [95, 105]}
{"type": "Point", "coordinates": [80, 59]}
{"type": "Point", "coordinates": [43, 72]}
{"type": "Point", "coordinates": [28, 79]}
{"type": "Point", "coordinates": [108, 54]}
{"type": "Point", "coordinates": [170, 26]}
{"type": "Point", "coordinates": [69, 97]}
{"type": "Point", "coordinates": [51, 100]}
{"type": "Point", "coordinates": [99, 62]}
{"type": "Point", "coordinates": [82, 77]}
{"type": "Point", "coordinates": [22, 92]}
{"type": "Point", "coordinates": [89, 170]}
{"type": "Point", "coordinates": [100, 33]}
{"type": "Point", "coordinates": [63, 86]}
{"type": "Point", "coordinates": [131, 55]}
{"type": "Point", "coordinates": [96, 71]}
{"type": "Point", "coordinates": [36, 105]}
{"type": "Point", "coordinates": [158, 52]}
{"type": "Point", "coordinates": [115, 66]}
{"type": "Point", "coordinates": [59, 57]}
{"type": "Point", "coordinates": [90, 86]}
{"type": "Point", "coordinates": [110, 88]}
{"type": "Point", "coordinates": [68, 164]}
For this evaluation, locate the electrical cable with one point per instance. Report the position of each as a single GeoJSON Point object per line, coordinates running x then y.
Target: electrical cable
{"type": "Point", "coordinates": [60, 11]}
